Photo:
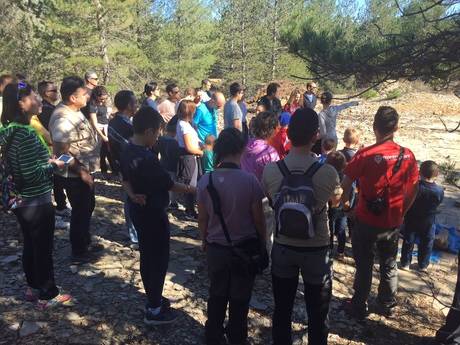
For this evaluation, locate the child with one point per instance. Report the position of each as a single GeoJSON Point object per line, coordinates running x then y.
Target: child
{"type": "Point", "coordinates": [141, 169]}
{"type": "Point", "coordinates": [327, 146]}
{"type": "Point", "coordinates": [208, 153]}
{"type": "Point", "coordinates": [351, 140]}
{"type": "Point", "coordinates": [419, 220]}
{"type": "Point", "coordinates": [337, 218]}
{"type": "Point", "coordinates": [280, 141]}
{"type": "Point", "coordinates": [168, 148]}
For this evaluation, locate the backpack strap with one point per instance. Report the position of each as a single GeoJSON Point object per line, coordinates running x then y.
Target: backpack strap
{"type": "Point", "coordinates": [283, 168]}
{"type": "Point", "coordinates": [217, 208]}
{"type": "Point", "coordinates": [397, 166]}
{"type": "Point", "coordinates": [313, 169]}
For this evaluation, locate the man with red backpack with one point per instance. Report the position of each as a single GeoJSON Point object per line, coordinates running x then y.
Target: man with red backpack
{"type": "Point", "coordinates": [388, 180]}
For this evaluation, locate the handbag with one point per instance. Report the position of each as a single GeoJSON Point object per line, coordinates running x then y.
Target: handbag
{"type": "Point", "coordinates": [249, 256]}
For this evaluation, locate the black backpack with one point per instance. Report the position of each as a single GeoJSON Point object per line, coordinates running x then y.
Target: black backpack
{"type": "Point", "coordinates": [294, 204]}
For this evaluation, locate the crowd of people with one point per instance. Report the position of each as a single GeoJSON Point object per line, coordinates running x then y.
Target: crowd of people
{"type": "Point", "coordinates": [271, 189]}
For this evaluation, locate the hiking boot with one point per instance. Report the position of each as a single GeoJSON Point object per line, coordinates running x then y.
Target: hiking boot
{"type": "Point", "coordinates": [385, 309]}
{"type": "Point", "coordinates": [165, 316]}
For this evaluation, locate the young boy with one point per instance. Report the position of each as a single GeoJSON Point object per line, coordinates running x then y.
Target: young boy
{"type": "Point", "coordinates": [337, 218]}
{"type": "Point", "coordinates": [142, 171]}
{"type": "Point", "coordinates": [327, 146]}
{"type": "Point", "coordinates": [169, 150]}
{"type": "Point", "coordinates": [351, 140]}
{"type": "Point", "coordinates": [419, 220]}
{"type": "Point", "coordinates": [208, 153]}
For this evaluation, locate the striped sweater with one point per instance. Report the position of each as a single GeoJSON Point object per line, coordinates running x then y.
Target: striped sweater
{"type": "Point", "coordinates": [28, 159]}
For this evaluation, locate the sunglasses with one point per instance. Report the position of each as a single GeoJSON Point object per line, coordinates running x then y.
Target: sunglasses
{"type": "Point", "coordinates": [21, 86]}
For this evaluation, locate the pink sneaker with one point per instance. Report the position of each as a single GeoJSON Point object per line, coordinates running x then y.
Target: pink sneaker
{"type": "Point", "coordinates": [60, 300]}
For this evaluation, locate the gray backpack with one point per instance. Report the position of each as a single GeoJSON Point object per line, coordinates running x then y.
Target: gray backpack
{"type": "Point", "coordinates": [295, 202]}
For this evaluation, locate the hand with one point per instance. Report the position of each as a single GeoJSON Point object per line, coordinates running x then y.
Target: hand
{"type": "Point", "coordinates": [57, 163]}
{"type": "Point", "coordinates": [87, 178]}
{"type": "Point", "coordinates": [191, 190]}
{"type": "Point", "coordinates": [105, 139]}
{"type": "Point", "coordinates": [140, 199]}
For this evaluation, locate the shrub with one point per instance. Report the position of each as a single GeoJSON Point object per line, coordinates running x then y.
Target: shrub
{"type": "Point", "coordinates": [393, 94]}
{"type": "Point", "coordinates": [371, 93]}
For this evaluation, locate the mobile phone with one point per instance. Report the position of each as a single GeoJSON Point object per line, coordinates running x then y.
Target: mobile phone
{"type": "Point", "coordinates": [66, 159]}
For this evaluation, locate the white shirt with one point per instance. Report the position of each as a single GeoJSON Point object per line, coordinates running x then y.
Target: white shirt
{"type": "Point", "coordinates": [183, 128]}
{"type": "Point", "coordinates": [328, 119]}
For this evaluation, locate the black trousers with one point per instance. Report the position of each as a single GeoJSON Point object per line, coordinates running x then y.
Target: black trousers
{"type": "Point", "coordinates": [152, 226]}
{"type": "Point", "coordinates": [449, 334]}
{"type": "Point", "coordinates": [229, 286]}
{"type": "Point", "coordinates": [59, 195]}
{"type": "Point", "coordinates": [83, 201]}
{"type": "Point", "coordinates": [105, 156]}
{"type": "Point", "coordinates": [37, 225]}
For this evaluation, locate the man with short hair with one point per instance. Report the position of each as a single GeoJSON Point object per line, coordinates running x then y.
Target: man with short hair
{"type": "Point", "coordinates": [205, 90]}
{"type": "Point", "coordinates": [5, 79]}
{"type": "Point", "coordinates": [168, 107]}
{"type": "Point", "coordinates": [49, 94]}
{"type": "Point", "coordinates": [309, 97]}
{"type": "Point", "coordinates": [302, 252]}
{"type": "Point", "coordinates": [72, 134]}
{"type": "Point", "coordinates": [271, 100]}
{"type": "Point", "coordinates": [120, 130]}
{"type": "Point", "coordinates": [205, 118]}
{"type": "Point", "coordinates": [233, 116]}
{"type": "Point", "coordinates": [388, 180]}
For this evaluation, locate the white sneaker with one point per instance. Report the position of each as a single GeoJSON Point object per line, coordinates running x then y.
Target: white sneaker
{"type": "Point", "coordinates": [67, 212]}
{"type": "Point", "coordinates": [60, 223]}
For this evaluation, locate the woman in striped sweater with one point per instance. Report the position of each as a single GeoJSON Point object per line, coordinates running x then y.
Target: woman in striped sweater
{"type": "Point", "coordinates": [32, 169]}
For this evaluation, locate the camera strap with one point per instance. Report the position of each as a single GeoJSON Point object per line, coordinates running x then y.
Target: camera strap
{"type": "Point", "coordinates": [398, 164]}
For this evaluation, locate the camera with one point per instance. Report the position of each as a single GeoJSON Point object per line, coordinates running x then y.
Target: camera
{"type": "Point", "coordinates": [377, 206]}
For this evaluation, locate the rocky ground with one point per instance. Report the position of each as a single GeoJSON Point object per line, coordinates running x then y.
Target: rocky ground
{"type": "Point", "coordinates": [110, 298]}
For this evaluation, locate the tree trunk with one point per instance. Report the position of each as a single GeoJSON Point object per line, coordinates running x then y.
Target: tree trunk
{"type": "Point", "coordinates": [275, 35]}
{"type": "Point", "coordinates": [102, 30]}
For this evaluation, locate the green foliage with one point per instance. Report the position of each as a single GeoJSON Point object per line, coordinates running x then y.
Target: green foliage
{"type": "Point", "coordinates": [393, 94]}
{"type": "Point", "coordinates": [451, 175]}
{"type": "Point", "coordinates": [369, 94]}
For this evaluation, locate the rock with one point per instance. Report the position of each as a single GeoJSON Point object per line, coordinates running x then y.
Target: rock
{"type": "Point", "coordinates": [14, 327]}
{"type": "Point", "coordinates": [73, 269]}
{"type": "Point", "coordinates": [9, 259]}
{"type": "Point", "coordinates": [30, 327]}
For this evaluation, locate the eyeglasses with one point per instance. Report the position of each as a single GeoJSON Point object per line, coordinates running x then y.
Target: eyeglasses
{"type": "Point", "coordinates": [21, 86]}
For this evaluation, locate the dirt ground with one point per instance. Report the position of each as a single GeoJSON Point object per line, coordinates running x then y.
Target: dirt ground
{"type": "Point", "coordinates": [110, 297]}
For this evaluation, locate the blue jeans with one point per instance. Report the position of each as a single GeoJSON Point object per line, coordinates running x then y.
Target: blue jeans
{"type": "Point", "coordinates": [338, 224]}
{"type": "Point", "coordinates": [425, 232]}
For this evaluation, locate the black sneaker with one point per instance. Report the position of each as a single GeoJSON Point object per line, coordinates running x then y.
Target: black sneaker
{"type": "Point", "coordinates": [352, 311]}
{"type": "Point", "coordinates": [164, 317]}
{"type": "Point", "coordinates": [386, 310]}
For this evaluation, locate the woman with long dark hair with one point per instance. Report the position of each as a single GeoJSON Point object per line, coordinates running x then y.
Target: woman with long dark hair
{"type": "Point", "coordinates": [151, 92]}
{"type": "Point", "coordinates": [189, 162]}
{"type": "Point", "coordinates": [235, 220]}
{"type": "Point", "coordinates": [28, 159]}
